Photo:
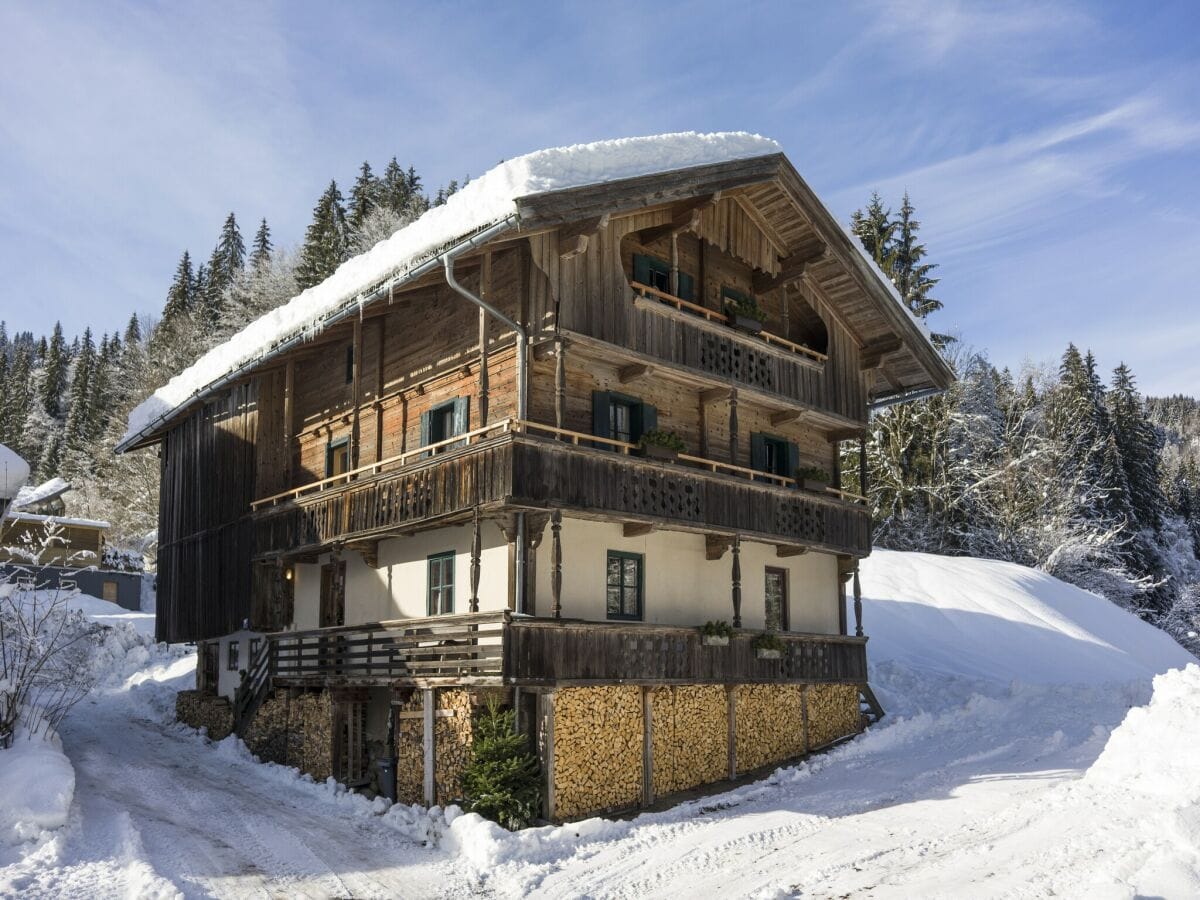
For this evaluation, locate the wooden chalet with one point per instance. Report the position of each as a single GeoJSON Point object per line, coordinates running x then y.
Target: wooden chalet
{"type": "Point", "coordinates": [535, 459]}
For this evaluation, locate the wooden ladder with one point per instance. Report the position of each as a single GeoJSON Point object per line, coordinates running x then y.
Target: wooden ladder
{"type": "Point", "coordinates": [253, 690]}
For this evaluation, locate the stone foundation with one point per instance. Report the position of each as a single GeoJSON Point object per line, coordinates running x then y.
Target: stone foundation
{"type": "Point", "coordinates": [598, 735]}
{"type": "Point", "coordinates": [200, 709]}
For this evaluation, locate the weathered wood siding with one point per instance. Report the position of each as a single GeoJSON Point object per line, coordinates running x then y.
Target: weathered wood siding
{"type": "Point", "coordinates": [206, 538]}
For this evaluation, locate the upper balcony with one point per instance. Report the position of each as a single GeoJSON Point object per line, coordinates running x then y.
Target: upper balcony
{"type": "Point", "coordinates": [527, 465]}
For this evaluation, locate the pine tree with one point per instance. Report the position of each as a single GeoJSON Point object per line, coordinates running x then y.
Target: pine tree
{"type": "Point", "coordinates": [181, 295]}
{"type": "Point", "coordinates": [325, 241]}
{"type": "Point", "coordinates": [364, 196]}
{"type": "Point", "coordinates": [1139, 444]}
{"type": "Point", "coordinates": [501, 781]}
{"type": "Point", "coordinates": [76, 432]}
{"type": "Point", "coordinates": [55, 381]}
{"type": "Point", "coordinates": [260, 255]}
{"type": "Point", "coordinates": [396, 189]}
{"type": "Point", "coordinates": [876, 231]}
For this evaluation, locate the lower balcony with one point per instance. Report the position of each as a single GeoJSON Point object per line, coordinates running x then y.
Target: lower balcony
{"type": "Point", "coordinates": [502, 649]}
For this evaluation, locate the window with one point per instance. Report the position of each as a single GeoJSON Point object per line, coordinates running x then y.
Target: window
{"type": "Point", "coordinates": [110, 591]}
{"type": "Point", "coordinates": [441, 584]}
{"type": "Point", "coordinates": [212, 661]}
{"type": "Point", "coordinates": [656, 273]}
{"type": "Point", "coordinates": [337, 457]}
{"type": "Point", "coordinates": [624, 587]}
{"type": "Point", "coordinates": [350, 364]}
{"type": "Point", "coordinates": [255, 644]}
{"type": "Point", "coordinates": [444, 421]}
{"type": "Point", "coordinates": [232, 664]}
{"type": "Point", "coordinates": [621, 418]}
{"type": "Point", "coordinates": [777, 599]}
{"type": "Point", "coordinates": [769, 453]}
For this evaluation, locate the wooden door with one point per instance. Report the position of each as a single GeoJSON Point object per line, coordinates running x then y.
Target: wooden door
{"type": "Point", "coordinates": [333, 594]}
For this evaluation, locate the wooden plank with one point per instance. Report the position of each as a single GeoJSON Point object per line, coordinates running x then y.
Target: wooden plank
{"type": "Point", "coordinates": [428, 742]}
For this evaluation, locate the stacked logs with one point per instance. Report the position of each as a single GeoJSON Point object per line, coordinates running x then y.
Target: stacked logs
{"type": "Point", "coordinates": [410, 751]}
{"type": "Point", "coordinates": [200, 709]}
{"type": "Point", "coordinates": [832, 713]}
{"type": "Point", "coordinates": [267, 734]}
{"type": "Point", "coordinates": [310, 734]}
{"type": "Point", "coordinates": [690, 735]}
{"type": "Point", "coordinates": [453, 736]}
{"type": "Point", "coordinates": [769, 724]}
{"type": "Point", "coordinates": [598, 733]}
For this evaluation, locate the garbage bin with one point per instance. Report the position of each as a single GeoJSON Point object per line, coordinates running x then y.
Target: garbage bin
{"type": "Point", "coordinates": [386, 770]}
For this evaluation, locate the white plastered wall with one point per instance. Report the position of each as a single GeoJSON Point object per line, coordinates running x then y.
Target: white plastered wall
{"type": "Point", "coordinates": [682, 587]}
{"type": "Point", "coordinates": [398, 588]}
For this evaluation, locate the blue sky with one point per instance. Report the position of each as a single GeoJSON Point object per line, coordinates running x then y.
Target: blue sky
{"type": "Point", "coordinates": [1052, 150]}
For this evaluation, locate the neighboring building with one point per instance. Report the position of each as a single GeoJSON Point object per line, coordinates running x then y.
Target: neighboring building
{"type": "Point", "coordinates": [40, 542]}
{"type": "Point", "coordinates": [442, 472]}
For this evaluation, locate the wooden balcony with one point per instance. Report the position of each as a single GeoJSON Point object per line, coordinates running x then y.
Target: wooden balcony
{"type": "Point", "coordinates": [501, 649]}
{"type": "Point", "coordinates": [525, 465]}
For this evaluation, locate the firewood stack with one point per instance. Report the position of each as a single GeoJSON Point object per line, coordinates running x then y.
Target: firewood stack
{"type": "Point", "coordinates": [690, 736]}
{"type": "Point", "coordinates": [770, 724]}
{"type": "Point", "coordinates": [832, 713]}
{"type": "Point", "coordinates": [454, 736]}
{"type": "Point", "coordinates": [597, 749]}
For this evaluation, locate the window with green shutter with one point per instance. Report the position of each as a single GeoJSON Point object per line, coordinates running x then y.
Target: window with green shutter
{"type": "Point", "coordinates": [775, 455]}
{"type": "Point", "coordinates": [656, 273]}
{"type": "Point", "coordinates": [624, 585]}
{"type": "Point", "coordinates": [444, 421]}
{"type": "Point", "coordinates": [621, 417]}
{"type": "Point", "coordinates": [441, 584]}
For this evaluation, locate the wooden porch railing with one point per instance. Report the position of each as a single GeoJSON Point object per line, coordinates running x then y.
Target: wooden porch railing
{"type": "Point", "coordinates": [500, 648]}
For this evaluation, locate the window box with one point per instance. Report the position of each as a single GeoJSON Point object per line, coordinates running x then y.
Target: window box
{"type": "Point", "coordinates": [714, 640]}
{"type": "Point", "coordinates": [810, 478]}
{"type": "Point", "coordinates": [811, 484]}
{"type": "Point", "coordinates": [657, 451]}
{"type": "Point", "coordinates": [767, 653]}
{"type": "Point", "coordinates": [745, 323]}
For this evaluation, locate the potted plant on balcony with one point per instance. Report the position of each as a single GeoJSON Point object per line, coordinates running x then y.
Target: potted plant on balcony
{"type": "Point", "coordinates": [744, 313]}
{"type": "Point", "coordinates": [767, 646]}
{"type": "Point", "coordinates": [716, 634]}
{"type": "Point", "coordinates": [661, 444]}
{"type": "Point", "coordinates": [810, 478]}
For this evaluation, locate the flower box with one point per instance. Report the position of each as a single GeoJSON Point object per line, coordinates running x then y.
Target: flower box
{"type": "Point", "coordinates": [745, 323]}
{"type": "Point", "coordinates": [657, 451]}
{"type": "Point", "coordinates": [714, 640]}
{"type": "Point", "coordinates": [762, 653]}
{"type": "Point", "coordinates": [812, 484]}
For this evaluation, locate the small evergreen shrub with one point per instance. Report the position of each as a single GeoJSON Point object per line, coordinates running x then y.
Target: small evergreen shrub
{"type": "Point", "coordinates": [719, 628]}
{"type": "Point", "coordinates": [660, 437]}
{"type": "Point", "coordinates": [812, 473]}
{"type": "Point", "coordinates": [767, 641]}
{"type": "Point", "coordinates": [502, 780]}
{"type": "Point", "coordinates": [747, 307]}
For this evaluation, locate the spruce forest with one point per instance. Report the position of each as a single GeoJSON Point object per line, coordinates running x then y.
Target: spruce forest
{"type": "Point", "coordinates": [1063, 466]}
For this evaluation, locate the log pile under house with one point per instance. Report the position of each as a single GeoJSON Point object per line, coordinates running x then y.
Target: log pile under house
{"type": "Point", "coordinates": [532, 460]}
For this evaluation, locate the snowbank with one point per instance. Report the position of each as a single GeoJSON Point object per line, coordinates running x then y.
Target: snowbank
{"type": "Point", "coordinates": [483, 202]}
{"type": "Point", "coordinates": [37, 783]}
{"type": "Point", "coordinates": [983, 619]}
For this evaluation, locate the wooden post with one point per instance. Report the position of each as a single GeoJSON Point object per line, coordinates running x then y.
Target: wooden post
{"type": "Point", "coordinates": [560, 383]}
{"type": "Point", "coordinates": [647, 746]}
{"type": "Point", "coordinates": [427, 707]}
{"type": "Point", "coordinates": [862, 466]}
{"type": "Point", "coordinates": [382, 331]}
{"type": "Point", "coordinates": [858, 629]}
{"type": "Point", "coordinates": [703, 428]}
{"type": "Point", "coordinates": [556, 556]}
{"type": "Point", "coordinates": [485, 289]}
{"type": "Point", "coordinates": [731, 737]}
{"type": "Point", "coordinates": [356, 391]}
{"type": "Point", "coordinates": [733, 427]}
{"type": "Point", "coordinates": [289, 393]}
{"type": "Point", "coordinates": [785, 317]}
{"type": "Point", "coordinates": [737, 581]}
{"type": "Point", "coordinates": [476, 544]}
{"type": "Point", "coordinates": [675, 263]}
{"type": "Point", "coordinates": [546, 717]}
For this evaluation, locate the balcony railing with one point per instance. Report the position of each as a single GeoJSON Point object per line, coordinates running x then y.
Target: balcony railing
{"type": "Point", "coordinates": [500, 648]}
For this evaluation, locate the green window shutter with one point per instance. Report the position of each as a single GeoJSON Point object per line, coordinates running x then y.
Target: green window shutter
{"type": "Point", "coordinates": [641, 268]}
{"type": "Point", "coordinates": [426, 426]}
{"type": "Point", "coordinates": [687, 287]}
{"type": "Point", "coordinates": [645, 418]}
{"type": "Point", "coordinates": [793, 459]}
{"type": "Point", "coordinates": [758, 451]}
{"type": "Point", "coordinates": [462, 415]}
{"type": "Point", "coordinates": [600, 425]}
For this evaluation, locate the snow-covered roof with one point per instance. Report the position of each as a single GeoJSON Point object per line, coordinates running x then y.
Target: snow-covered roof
{"type": "Point", "coordinates": [14, 472]}
{"type": "Point", "coordinates": [47, 490]}
{"type": "Point", "coordinates": [486, 201]}
{"type": "Point", "coordinates": [58, 520]}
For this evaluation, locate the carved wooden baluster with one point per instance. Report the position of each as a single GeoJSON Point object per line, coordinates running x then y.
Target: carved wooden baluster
{"type": "Point", "coordinates": [858, 629]}
{"type": "Point", "coordinates": [560, 383]}
{"type": "Point", "coordinates": [733, 427]}
{"type": "Point", "coordinates": [737, 581]}
{"type": "Point", "coordinates": [556, 573]}
{"type": "Point", "coordinates": [475, 551]}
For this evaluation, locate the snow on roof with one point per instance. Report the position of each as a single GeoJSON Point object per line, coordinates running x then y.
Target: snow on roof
{"type": "Point", "coordinates": [58, 520]}
{"type": "Point", "coordinates": [485, 201]}
{"type": "Point", "coordinates": [14, 472]}
{"type": "Point", "coordinates": [30, 495]}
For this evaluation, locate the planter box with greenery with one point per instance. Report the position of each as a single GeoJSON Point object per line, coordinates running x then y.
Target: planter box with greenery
{"type": "Point", "coordinates": [810, 478]}
{"type": "Point", "coordinates": [744, 313]}
{"type": "Point", "coordinates": [716, 634]}
{"type": "Point", "coordinates": [767, 646]}
{"type": "Point", "coordinates": [661, 444]}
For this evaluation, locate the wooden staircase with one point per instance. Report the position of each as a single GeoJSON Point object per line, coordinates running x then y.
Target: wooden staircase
{"type": "Point", "coordinates": [253, 689]}
{"type": "Point", "coordinates": [868, 705]}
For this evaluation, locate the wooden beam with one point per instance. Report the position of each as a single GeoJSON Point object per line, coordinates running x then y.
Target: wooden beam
{"type": "Point", "coordinates": [715, 546]}
{"type": "Point", "coordinates": [785, 550]}
{"type": "Point", "coordinates": [837, 435]}
{"type": "Point", "coordinates": [871, 356]}
{"type": "Point", "coordinates": [626, 374]}
{"type": "Point", "coordinates": [636, 529]}
{"type": "Point", "coordinates": [716, 395]}
{"type": "Point", "coordinates": [556, 564]}
{"type": "Point", "coordinates": [573, 239]}
{"type": "Point", "coordinates": [647, 746]}
{"type": "Point", "coordinates": [790, 267]}
{"type": "Point", "coordinates": [427, 746]}
{"type": "Point", "coordinates": [684, 217]}
{"type": "Point", "coordinates": [789, 417]}
{"type": "Point", "coordinates": [356, 393]}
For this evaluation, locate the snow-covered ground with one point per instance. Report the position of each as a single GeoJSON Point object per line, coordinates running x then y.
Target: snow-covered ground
{"type": "Point", "coordinates": [1029, 750]}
